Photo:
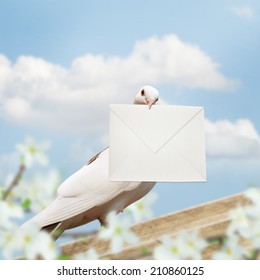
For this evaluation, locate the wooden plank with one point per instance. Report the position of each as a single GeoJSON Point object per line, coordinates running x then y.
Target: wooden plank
{"type": "Point", "coordinates": [210, 218]}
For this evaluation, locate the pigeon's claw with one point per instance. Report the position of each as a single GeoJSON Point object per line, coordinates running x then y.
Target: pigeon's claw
{"type": "Point", "coordinates": [103, 222]}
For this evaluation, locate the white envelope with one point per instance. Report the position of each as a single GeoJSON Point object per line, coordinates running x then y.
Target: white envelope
{"type": "Point", "coordinates": [165, 143]}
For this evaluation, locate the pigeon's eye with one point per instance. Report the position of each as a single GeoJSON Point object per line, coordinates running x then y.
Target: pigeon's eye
{"type": "Point", "coordinates": [142, 92]}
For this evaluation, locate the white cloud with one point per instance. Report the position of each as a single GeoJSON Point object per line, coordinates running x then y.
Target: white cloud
{"type": "Point", "coordinates": [225, 139]}
{"type": "Point", "coordinates": [243, 11]}
{"type": "Point", "coordinates": [36, 92]}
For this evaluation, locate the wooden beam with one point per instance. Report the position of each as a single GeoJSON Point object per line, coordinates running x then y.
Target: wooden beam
{"type": "Point", "coordinates": [210, 218]}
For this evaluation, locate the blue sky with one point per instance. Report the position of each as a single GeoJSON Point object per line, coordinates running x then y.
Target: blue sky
{"type": "Point", "coordinates": [63, 62]}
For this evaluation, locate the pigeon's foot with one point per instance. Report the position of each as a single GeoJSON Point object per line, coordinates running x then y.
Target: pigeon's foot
{"type": "Point", "coordinates": [103, 222]}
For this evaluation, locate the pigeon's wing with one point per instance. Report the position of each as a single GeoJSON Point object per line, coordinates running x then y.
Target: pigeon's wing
{"type": "Point", "coordinates": [86, 188]}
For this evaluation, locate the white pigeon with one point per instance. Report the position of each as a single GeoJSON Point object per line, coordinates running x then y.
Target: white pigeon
{"type": "Point", "coordinates": [88, 194]}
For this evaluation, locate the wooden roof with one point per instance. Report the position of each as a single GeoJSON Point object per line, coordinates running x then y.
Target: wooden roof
{"type": "Point", "coordinates": [210, 218]}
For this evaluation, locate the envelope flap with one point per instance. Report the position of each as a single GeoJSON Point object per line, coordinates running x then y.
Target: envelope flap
{"type": "Point", "coordinates": [157, 126]}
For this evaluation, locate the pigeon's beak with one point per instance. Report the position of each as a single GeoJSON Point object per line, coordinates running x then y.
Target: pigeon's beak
{"type": "Point", "coordinates": [151, 102]}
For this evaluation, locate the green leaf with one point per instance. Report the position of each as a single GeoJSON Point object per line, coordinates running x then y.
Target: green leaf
{"type": "Point", "coordinates": [253, 255]}
{"type": "Point", "coordinates": [57, 232]}
{"type": "Point", "coordinates": [216, 240]}
{"type": "Point", "coordinates": [145, 250]}
{"type": "Point", "coordinates": [26, 203]}
{"type": "Point", "coordinates": [63, 257]}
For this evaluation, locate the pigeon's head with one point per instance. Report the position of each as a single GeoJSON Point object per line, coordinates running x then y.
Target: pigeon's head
{"type": "Point", "coordinates": [147, 95]}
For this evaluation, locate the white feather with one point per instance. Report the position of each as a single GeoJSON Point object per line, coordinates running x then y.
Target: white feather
{"type": "Point", "coordinates": [87, 188]}
{"type": "Point", "coordinates": [88, 194]}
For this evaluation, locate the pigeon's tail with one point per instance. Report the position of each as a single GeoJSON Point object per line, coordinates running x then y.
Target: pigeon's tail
{"type": "Point", "coordinates": [46, 220]}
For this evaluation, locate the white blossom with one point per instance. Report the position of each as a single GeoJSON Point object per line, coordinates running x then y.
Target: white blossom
{"type": "Point", "coordinates": [252, 231]}
{"type": "Point", "coordinates": [31, 152]}
{"type": "Point", "coordinates": [169, 249]}
{"type": "Point", "coordinates": [245, 221]}
{"type": "Point", "coordinates": [37, 244]}
{"type": "Point", "coordinates": [231, 250]}
{"type": "Point", "coordinates": [9, 242]}
{"type": "Point", "coordinates": [39, 190]}
{"type": "Point", "coordinates": [27, 242]}
{"type": "Point", "coordinates": [8, 212]}
{"type": "Point", "coordinates": [239, 222]}
{"type": "Point", "coordinates": [118, 232]}
{"type": "Point", "coordinates": [254, 195]}
{"type": "Point", "coordinates": [90, 254]}
{"type": "Point", "coordinates": [186, 245]}
{"type": "Point", "coordinates": [142, 208]}
{"type": "Point", "coordinates": [193, 245]}
{"type": "Point", "coordinates": [255, 235]}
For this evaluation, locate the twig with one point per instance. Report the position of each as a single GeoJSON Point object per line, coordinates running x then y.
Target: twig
{"type": "Point", "coordinates": [15, 181]}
